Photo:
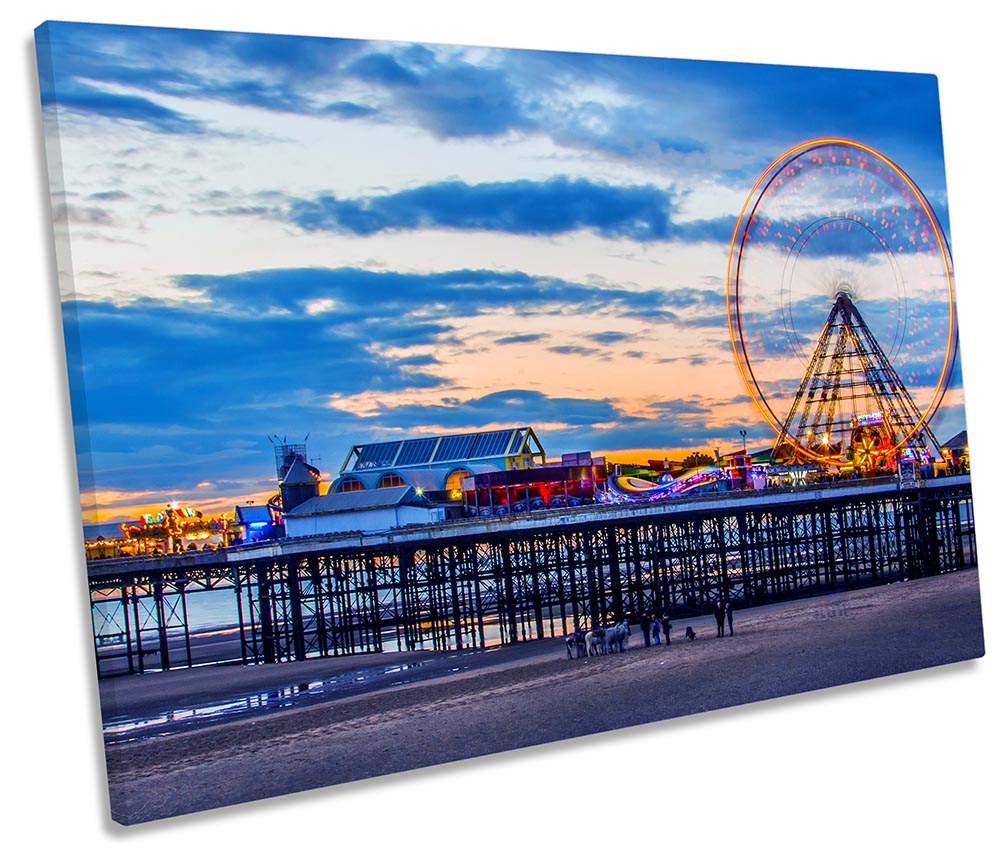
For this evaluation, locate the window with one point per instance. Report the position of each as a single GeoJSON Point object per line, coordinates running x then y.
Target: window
{"type": "Point", "coordinates": [453, 484]}
{"type": "Point", "coordinates": [416, 451]}
{"type": "Point", "coordinates": [349, 485]}
{"type": "Point", "coordinates": [391, 479]}
{"type": "Point", "coordinates": [377, 455]}
{"type": "Point", "coordinates": [456, 447]}
{"type": "Point", "coordinates": [491, 443]}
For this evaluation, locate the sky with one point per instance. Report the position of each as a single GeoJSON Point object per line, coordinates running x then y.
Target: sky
{"type": "Point", "coordinates": [358, 241]}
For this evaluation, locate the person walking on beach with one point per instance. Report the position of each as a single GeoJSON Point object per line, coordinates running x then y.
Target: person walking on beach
{"type": "Point", "coordinates": [666, 624]}
{"type": "Point", "coordinates": [655, 628]}
{"type": "Point", "coordinates": [729, 616]}
{"type": "Point", "coordinates": [719, 613]}
{"type": "Point", "coordinates": [645, 626]}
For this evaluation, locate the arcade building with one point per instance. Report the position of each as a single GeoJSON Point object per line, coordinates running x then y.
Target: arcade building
{"type": "Point", "coordinates": [439, 467]}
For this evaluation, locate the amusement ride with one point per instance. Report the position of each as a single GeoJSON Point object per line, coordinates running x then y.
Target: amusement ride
{"type": "Point", "coordinates": [840, 302]}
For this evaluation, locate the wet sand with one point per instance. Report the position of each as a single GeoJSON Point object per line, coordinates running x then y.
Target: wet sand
{"type": "Point", "coordinates": [529, 695]}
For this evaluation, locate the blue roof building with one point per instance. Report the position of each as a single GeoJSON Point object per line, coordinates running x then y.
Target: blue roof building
{"type": "Point", "coordinates": [435, 465]}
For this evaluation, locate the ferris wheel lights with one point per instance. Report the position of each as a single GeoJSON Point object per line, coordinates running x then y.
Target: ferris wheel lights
{"type": "Point", "coordinates": [835, 169]}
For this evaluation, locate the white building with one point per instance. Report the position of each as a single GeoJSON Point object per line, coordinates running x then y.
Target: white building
{"type": "Point", "coordinates": [361, 510]}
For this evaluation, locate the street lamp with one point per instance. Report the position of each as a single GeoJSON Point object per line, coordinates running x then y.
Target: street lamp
{"type": "Point", "coordinates": [743, 436]}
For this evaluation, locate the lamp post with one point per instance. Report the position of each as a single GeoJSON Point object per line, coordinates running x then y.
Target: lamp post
{"type": "Point", "coordinates": [743, 458]}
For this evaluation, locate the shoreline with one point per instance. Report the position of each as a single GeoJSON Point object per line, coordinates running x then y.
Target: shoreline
{"type": "Point", "coordinates": [157, 692]}
{"type": "Point", "coordinates": [779, 650]}
{"type": "Point", "coordinates": [154, 691]}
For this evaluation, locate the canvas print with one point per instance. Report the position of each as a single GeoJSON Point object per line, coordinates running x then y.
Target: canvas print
{"type": "Point", "coordinates": [432, 401]}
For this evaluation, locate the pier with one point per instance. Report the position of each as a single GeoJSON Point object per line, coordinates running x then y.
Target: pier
{"type": "Point", "coordinates": [496, 581]}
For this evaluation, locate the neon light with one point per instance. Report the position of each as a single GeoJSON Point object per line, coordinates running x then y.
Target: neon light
{"type": "Point", "coordinates": [629, 488]}
{"type": "Point", "coordinates": [867, 419]}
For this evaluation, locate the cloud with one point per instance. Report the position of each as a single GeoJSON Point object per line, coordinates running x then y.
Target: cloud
{"type": "Point", "coordinates": [658, 111]}
{"type": "Point", "coordinates": [681, 408]}
{"type": "Point", "coordinates": [265, 350]}
{"type": "Point", "coordinates": [465, 100]}
{"type": "Point", "coordinates": [558, 205]}
{"type": "Point", "coordinates": [84, 67]}
{"type": "Point", "coordinates": [443, 93]}
{"type": "Point", "coordinates": [382, 68]}
{"type": "Point", "coordinates": [393, 301]}
{"type": "Point", "coordinates": [348, 110]}
{"type": "Point", "coordinates": [90, 216]}
{"type": "Point", "coordinates": [131, 108]}
{"type": "Point", "coordinates": [155, 364]}
{"type": "Point", "coordinates": [609, 337]}
{"type": "Point", "coordinates": [510, 406]}
{"type": "Point", "coordinates": [573, 350]}
{"type": "Point", "coordinates": [525, 338]}
{"type": "Point", "coordinates": [109, 196]}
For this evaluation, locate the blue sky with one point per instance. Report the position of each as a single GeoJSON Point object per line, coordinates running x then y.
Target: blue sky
{"type": "Point", "coordinates": [364, 240]}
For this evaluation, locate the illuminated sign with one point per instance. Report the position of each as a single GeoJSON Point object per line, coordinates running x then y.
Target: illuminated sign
{"type": "Point", "coordinates": [910, 455]}
{"type": "Point", "coordinates": [176, 522]}
{"type": "Point", "coordinates": [869, 419]}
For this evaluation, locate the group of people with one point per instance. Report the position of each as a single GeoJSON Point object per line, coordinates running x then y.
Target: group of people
{"type": "Point", "coordinates": [653, 625]}
{"type": "Point", "coordinates": [723, 611]}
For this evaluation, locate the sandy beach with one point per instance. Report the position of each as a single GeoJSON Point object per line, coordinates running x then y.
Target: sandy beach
{"type": "Point", "coordinates": [527, 695]}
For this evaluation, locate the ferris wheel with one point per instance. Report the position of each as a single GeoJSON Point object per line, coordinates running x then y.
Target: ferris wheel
{"type": "Point", "coordinates": [840, 305]}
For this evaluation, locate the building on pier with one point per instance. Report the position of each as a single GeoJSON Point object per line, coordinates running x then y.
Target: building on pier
{"type": "Point", "coordinates": [575, 480]}
{"type": "Point", "coordinates": [300, 484]}
{"type": "Point", "coordinates": [435, 466]}
{"type": "Point", "coordinates": [956, 453]}
{"type": "Point", "coordinates": [361, 511]}
{"type": "Point", "coordinates": [256, 523]}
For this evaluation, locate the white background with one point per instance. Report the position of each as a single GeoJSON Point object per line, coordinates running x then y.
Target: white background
{"type": "Point", "coordinates": [908, 762]}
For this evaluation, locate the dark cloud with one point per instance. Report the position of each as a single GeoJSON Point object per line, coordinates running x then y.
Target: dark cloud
{"type": "Point", "coordinates": [109, 196]}
{"type": "Point", "coordinates": [295, 58]}
{"type": "Point", "coordinates": [525, 338]}
{"type": "Point", "coordinates": [513, 406]}
{"type": "Point", "coordinates": [464, 100]}
{"type": "Point", "coordinates": [79, 98]}
{"type": "Point", "coordinates": [765, 107]}
{"type": "Point", "coordinates": [388, 299]}
{"type": "Point", "coordinates": [573, 350]}
{"type": "Point", "coordinates": [681, 408]}
{"type": "Point", "coordinates": [240, 211]}
{"type": "Point", "coordinates": [174, 348]}
{"type": "Point", "coordinates": [609, 337]}
{"type": "Point", "coordinates": [555, 206]}
{"type": "Point", "coordinates": [90, 216]}
{"type": "Point", "coordinates": [204, 378]}
{"type": "Point", "coordinates": [196, 386]}
{"type": "Point", "coordinates": [348, 110]}
{"type": "Point", "coordinates": [382, 68]}
{"type": "Point", "coordinates": [448, 97]}
{"type": "Point", "coordinates": [81, 64]}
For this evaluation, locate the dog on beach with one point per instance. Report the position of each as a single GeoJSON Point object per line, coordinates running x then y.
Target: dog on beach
{"type": "Point", "coordinates": [689, 633]}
